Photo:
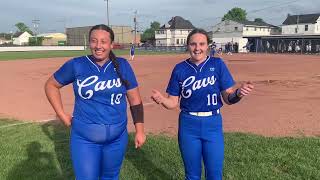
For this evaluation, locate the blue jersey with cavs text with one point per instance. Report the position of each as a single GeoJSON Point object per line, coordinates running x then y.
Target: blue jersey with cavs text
{"type": "Point", "coordinates": [100, 96]}
{"type": "Point", "coordinates": [199, 87]}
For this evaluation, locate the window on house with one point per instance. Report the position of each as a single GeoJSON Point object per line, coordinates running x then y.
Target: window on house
{"type": "Point", "coordinates": [306, 27]}
{"type": "Point", "coordinates": [296, 30]}
{"type": "Point", "coordinates": [255, 29]}
{"type": "Point", "coordinates": [236, 28]}
{"type": "Point", "coordinates": [177, 41]}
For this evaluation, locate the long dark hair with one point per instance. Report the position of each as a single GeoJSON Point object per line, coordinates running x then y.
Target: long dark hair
{"type": "Point", "coordinates": [197, 30]}
{"type": "Point", "coordinates": [112, 56]}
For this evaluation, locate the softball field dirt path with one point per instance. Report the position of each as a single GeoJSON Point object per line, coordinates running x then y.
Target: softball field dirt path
{"type": "Point", "coordinates": [285, 102]}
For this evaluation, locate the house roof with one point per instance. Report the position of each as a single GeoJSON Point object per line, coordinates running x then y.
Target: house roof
{"type": "Point", "coordinates": [51, 35]}
{"type": "Point", "coordinates": [17, 34]}
{"type": "Point", "coordinates": [178, 22]}
{"type": "Point", "coordinates": [301, 19]}
{"type": "Point", "coordinates": [256, 23]}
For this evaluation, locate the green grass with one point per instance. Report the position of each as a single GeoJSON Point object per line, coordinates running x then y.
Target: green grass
{"type": "Point", "coordinates": [6, 56]}
{"type": "Point", "coordinates": [41, 151]}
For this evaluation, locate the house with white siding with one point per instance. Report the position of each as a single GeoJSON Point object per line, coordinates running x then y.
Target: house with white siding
{"type": "Point", "coordinates": [305, 24]}
{"type": "Point", "coordinates": [174, 33]}
{"type": "Point", "coordinates": [238, 32]}
{"type": "Point", "coordinates": [21, 38]}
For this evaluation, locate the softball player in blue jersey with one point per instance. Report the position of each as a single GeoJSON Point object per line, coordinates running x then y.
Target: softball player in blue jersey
{"type": "Point", "coordinates": [101, 84]}
{"type": "Point", "coordinates": [132, 49]}
{"type": "Point", "coordinates": [198, 83]}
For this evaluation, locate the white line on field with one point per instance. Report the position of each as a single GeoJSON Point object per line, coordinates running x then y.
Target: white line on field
{"type": "Point", "coordinates": [47, 120]}
{"type": "Point", "coordinates": [18, 124]}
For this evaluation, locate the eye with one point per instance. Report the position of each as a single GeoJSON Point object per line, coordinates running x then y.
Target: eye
{"type": "Point", "coordinates": [192, 44]}
{"type": "Point", "coordinates": [93, 40]}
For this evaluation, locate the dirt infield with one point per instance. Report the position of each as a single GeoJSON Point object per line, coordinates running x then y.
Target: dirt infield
{"type": "Point", "coordinates": [285, 101]}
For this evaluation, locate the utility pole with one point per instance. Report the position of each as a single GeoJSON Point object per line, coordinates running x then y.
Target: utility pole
{"type": "Point", "coordinates": [107, 3]}
{"type": "Point", "coordinates": [36, 23]}
{"type": "Point", "coordinates": [135, 27]}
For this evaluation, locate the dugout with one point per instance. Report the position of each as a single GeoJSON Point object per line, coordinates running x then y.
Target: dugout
{"type": "Point", "coordinates": [306, 44]}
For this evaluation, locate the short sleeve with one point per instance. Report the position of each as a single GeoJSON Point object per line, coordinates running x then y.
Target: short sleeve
{"type": "Point", "coordinates": [173, 85]}
{"type": "Point", "coordinates": [129, 75]}
{"type": "Point", "coordinates": [226, 79]}
{"type": "Point", "coordinates": [65, 74]}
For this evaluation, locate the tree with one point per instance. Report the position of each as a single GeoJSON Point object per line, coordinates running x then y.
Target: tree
{"type": "Point", "coordinates": [236, 14]}
{"type": "Point", "coordinates": [260, 20]}
{"type": "Point", "coordinates": [23, 28]}
{"type": "Point", "coordinates": [149, 34]}
{"type": "Point", "coordinates": [6, 36]}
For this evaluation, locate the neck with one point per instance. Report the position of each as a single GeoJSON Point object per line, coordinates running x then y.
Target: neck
{"type": "Point", "coordinates": [100, 62]}
{"type": "Point", "coordinates": [197, 62]}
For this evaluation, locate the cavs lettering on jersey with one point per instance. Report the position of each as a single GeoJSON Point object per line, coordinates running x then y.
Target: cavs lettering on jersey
{"type": "Point", "coordinates": [200, 86]}
{"type": "Point", "coordinates": [99, 92]}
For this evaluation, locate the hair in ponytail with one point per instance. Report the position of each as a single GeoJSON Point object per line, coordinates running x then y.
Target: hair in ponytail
{"type": "Point", "coordinates": [112, 56]}
{"type": "Point", "coordinates": [115, 63]}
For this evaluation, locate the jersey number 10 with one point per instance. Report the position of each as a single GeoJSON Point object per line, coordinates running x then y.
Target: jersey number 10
{"type": "Point", "coordinates": [212, 99]}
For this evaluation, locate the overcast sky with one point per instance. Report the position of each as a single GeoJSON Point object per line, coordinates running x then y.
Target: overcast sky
{"type": "Point", "coordinates": [54, 15]}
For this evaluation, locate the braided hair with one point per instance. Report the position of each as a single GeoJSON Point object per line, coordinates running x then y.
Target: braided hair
{"type": "Point", "coordinates": [112, 56]}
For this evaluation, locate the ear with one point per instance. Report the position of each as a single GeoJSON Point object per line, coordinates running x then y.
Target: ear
{"type": "Point", "coordinates": [111, 45]}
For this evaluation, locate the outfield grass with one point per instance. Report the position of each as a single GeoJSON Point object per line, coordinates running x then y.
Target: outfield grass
{"type": "Point", "coordinates": [41, 151]}
{"type": "Point", "coordinates": [6, 56]}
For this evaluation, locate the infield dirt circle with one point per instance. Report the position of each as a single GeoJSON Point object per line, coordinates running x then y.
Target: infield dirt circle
{"type": "Point", "coordinates": [285, 102]}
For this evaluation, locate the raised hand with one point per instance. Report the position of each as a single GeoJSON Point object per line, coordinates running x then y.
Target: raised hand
{"type": "Point", "coordinates": [245, 89]}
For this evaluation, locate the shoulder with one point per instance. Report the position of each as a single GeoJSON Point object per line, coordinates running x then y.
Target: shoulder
{"type": "Point", "coordinates": [122, 60]}
{"type": "Point", "coordinates": [78, 60]}
{"type": "Point", "coordinates": [181, 64]}
{"type": "Point", "coordinates": [216, 60]}
{"type": "Point", "coordinates": [123, 63]}
{"type": "Point", "coordinates": [180, 67]}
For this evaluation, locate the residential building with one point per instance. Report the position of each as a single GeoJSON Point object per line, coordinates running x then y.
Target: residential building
{"type": "Point", "coordinates": [174, 33]}
{"type": "Point", "coordinates": [239, 32]}
{"type": "Point", "coordinates": [21, 38]}
{"type": "Point", "coordinates": [304, 24]}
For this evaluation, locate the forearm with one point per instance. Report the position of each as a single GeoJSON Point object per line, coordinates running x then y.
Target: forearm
{"type": "Point", "coordinates": [54, 98]}
{"type": "Point", "coordinates": [139, 127]}
{"type": "Point", "coordinates": [169, 103]}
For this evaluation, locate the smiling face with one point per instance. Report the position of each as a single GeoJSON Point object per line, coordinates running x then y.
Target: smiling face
{"type": "Point", "coordinates": [100, 44]}
{"type": "Point", "coordinates": [198, 47]}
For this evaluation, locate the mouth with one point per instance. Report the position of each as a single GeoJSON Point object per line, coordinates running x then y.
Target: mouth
{"type": "Point", "coordinates": [98, 52]}
{"type": "Point", "coordinates": [197, 53]}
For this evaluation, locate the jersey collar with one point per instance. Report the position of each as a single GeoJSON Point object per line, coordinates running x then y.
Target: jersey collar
{"type": "Point", "coordinates": [197, 68]}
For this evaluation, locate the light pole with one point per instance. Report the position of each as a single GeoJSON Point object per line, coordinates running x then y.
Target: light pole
{"type": "Point", "coordinates": [11, 38]}
{"type": "Point", "coordinates": [107, 3]}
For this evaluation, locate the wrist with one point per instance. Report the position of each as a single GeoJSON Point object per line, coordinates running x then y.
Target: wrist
{"type": "Point", "coordinates": [238, 93]}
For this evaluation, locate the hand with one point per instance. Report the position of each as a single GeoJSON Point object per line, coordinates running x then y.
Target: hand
{"type": "Point", "coordinates": [157, 96]}
{"type": "Point", "coordinates": [245, 89]}
{"type": "Point", "coordinates": [66, 119]}
{"type": "Point", "coordinates": [140, 139]}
